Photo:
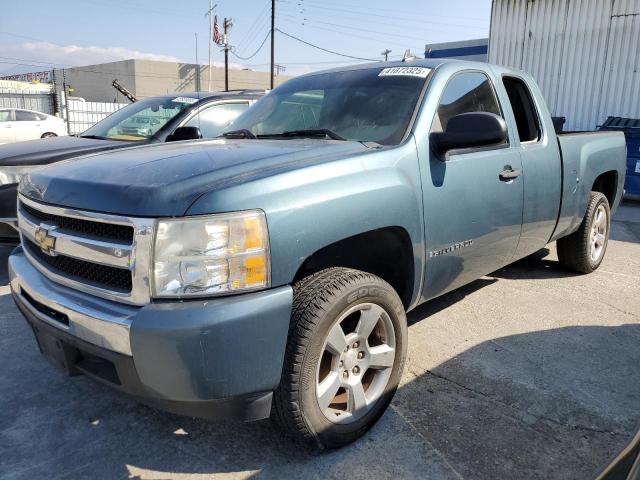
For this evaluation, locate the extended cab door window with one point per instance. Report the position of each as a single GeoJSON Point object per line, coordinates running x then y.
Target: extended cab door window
{"type": "Point", "coordinates": [524, 110]}
{"type": "Point", "coordinates": [214, 120]}
{"type": "Point", "coordinates": [465, 93]}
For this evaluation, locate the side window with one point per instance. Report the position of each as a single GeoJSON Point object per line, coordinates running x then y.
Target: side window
{"type": "Point", "coordinates": [24, 116]}
{"type": "Point", "coordinates": [214, 120]}
{"type": "Point", "coordinates": [524, 109]}
{"type": "Point", "coordinates": [465, 93]}
{"type": "Point", "coordinates": [5, 115]}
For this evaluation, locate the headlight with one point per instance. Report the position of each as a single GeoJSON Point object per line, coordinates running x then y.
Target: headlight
{"type": "Point", "coordinates": [207, 255]}
{"type": "Point", "coordinates": [14, 174]}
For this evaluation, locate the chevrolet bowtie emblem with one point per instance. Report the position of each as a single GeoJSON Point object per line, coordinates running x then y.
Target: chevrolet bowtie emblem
{"type": "Point", "coordinates": [44, 240]}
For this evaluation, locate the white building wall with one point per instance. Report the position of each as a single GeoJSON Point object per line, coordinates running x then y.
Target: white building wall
{"type": "Point", "coordinates": [583, 53]}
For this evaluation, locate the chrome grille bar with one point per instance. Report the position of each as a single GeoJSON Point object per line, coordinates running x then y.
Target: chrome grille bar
{"type": "Point", "coordinates": [134, 256]}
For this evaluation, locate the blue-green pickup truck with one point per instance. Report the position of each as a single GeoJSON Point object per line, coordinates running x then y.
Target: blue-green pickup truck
{"type": "Point", "coordinates": [268, 272]}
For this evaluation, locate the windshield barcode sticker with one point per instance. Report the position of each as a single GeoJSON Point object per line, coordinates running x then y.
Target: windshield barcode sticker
{"type": "Point", "coordinates": [187, 100]}
{"type": "Point", "coordinates": [421, 72]}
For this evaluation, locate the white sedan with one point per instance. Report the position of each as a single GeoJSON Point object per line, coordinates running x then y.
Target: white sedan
{"type": "Point", "coordinates": [17, 125]}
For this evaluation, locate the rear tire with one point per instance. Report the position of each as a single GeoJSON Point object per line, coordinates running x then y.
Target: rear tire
{"type": "Point", "coordinates": [344, 357]}
{"type": "Point", "coordinates": [584, 249]}
{"type": "Point", "coordinates": [48, 135]}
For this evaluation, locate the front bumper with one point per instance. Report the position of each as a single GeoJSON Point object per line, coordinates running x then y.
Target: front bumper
{"type": "Point", "coordinates": [217, 358]}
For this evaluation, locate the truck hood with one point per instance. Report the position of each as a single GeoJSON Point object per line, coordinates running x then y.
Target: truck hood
{"type": "Point", "coordinates": [165, 179]}
{"type": "Point", "coordinates": [50, 150]}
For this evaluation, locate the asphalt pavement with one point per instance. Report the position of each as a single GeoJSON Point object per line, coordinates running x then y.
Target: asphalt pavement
{"type": "Point", "coordinates": [531, 372]}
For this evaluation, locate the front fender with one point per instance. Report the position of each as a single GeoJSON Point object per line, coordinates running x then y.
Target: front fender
{"type": "Point", "coordinates": [310, 208]}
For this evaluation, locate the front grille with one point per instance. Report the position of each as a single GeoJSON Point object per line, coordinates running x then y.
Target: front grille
{"type": "Point", "coordinates": [107, 231]}
{"type": "Point", "coordinates": [103, 276]}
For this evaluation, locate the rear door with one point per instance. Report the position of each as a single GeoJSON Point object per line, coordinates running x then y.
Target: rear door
{"type": "Point", "coordinates": [473, 217]}
{"type": "Point", "coordinates": [27, 125]}
{"type": "Point", "coordinates": [7, 127]}
{"type": "Point", "coordinates": [541, 165]}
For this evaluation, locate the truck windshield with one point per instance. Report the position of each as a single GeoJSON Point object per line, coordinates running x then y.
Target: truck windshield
{"type": "Point", "coordinates": [140, 120]}
{"type": "Point", "coordinates": [369, 105]}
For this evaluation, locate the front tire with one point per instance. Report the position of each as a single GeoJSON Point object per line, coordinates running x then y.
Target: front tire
{"type": "Point", "coordinates": [344, 358]}
{"type": "Point", "coordinates": [584, 249]}
{"type": "Point", "coordinates": [48, 135]}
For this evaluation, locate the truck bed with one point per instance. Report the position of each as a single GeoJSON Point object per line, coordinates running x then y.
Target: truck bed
{"type": "Point", "coordinates": [587, 157]}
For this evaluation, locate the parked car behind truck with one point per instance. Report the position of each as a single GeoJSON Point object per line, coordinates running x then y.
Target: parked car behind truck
{"type": "Point", "coordinates": [151, 120]}
{"type": "Point", "coordinates": [19, 125]}
{"type": "Point", "coordinates": [269, 272]}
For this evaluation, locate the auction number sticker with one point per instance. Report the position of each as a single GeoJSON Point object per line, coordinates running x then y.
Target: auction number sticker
{"type": "Point", "coordinates": [637, 166]}
{"type": "Point", "coordinates": [187, 100]}
{"type": "Point", "coordinates": [421, 72]}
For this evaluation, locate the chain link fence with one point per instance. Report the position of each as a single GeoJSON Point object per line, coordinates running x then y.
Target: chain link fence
{"type": "Point", "coordinates": [78, 113]}
{"type": "Point", "coordinates": [81, 114]}
{"type": "Point", "coordinates": [38, 101]}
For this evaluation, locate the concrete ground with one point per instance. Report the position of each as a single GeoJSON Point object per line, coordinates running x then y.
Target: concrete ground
{"type": "Point", "coordinates": [531, 372]}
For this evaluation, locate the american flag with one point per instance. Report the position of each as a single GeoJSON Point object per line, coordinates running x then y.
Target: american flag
{"type": "Point", "coordinates": [217, 38]}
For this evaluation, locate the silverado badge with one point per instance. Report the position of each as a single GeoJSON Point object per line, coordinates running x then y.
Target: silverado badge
{"type": "Point", "coordinates": [44, 240]}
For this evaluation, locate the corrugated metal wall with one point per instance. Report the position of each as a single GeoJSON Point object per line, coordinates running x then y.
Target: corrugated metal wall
{"type": "Point", "coordinates": [621, 89]}
{"type": "Point", "coordinates": [583, 53]}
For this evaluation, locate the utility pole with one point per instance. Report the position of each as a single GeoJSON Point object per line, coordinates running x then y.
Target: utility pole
{"type": "Point", "coordinates": [227, 26]}
{"type": "Point", "coordinates": [280, 68]}
{"type": "Point", "coordinates": [210, 14]}
{"type": "Point", "coordinates": [273, 38]}
{"type": "Point", "coordinates": [386, 54]}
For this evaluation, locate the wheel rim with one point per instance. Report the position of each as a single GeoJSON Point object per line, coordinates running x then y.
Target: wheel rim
{"type": "Point", "coordinates": [356, 363]}
{"type": "Point", "coordinates": [598, 236]}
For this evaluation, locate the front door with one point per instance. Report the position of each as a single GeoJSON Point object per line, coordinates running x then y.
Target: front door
{"type": "Point", "coordinates": [473, 214]}
{"type": "Point", "coordinates": [7, 134]}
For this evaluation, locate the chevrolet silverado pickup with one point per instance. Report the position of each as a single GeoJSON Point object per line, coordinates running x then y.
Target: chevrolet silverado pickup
{"type": "Point", "coordinates": [268, 272]}
{"type": "Point", "coordinates": [151, 120]}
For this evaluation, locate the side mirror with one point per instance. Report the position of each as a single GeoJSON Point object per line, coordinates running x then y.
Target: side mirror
{"type": "Point", "coordinates": [184, 133]}
{"type": "Point", "coordinates": [470, 130]}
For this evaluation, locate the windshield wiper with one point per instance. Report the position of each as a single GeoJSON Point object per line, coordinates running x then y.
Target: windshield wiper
{"type": "Point", "coordinates": [312, 132]}
{"type": "Point", "coordinates": [94, 137]}
{"type": "Point", "coordinates": [242, 133]}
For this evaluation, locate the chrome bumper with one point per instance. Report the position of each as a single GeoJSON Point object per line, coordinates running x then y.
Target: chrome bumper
{"type": "Point", "coordinates": [101, 322]}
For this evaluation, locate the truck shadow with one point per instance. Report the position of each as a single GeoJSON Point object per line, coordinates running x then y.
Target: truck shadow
{"type": "Point", "coordinates": [543, 404]}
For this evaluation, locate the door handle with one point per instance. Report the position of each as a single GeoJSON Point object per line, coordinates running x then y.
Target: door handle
{"type": "Point", "coordinates": [509, 173]}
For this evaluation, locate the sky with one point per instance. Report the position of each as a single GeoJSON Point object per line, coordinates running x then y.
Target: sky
{"type": "Point", "coordinates": [35, 35]}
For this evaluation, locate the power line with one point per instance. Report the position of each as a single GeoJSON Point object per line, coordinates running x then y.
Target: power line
{"type": "Point", "coordinates": [254, 53]}
{"type": "Point", "coordinates": [251, 32]}
{"type": "Point", "coordinates": [354, 35]}
{"type": "Point", "coordinates": [350, 27]}
{"type": "Point", "coordinates": [325, 49]}
{"type": "Point", "coordinates": [367, 11]}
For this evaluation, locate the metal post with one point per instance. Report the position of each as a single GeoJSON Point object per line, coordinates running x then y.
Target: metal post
{"type": "Point", "coordinates": [210, 41]}
{"type": "Point", "coordinates": [273, 45]}
{"type": "Point", "coordinates": [66, 101]}
{"type": "Point", "coordinates": [198, 66]}
{"type": "Point", "coordinates": [226, 58]}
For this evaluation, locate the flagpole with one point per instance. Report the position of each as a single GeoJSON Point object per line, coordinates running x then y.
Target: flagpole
{"type": "Point", "coordinates": [210, 42]}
